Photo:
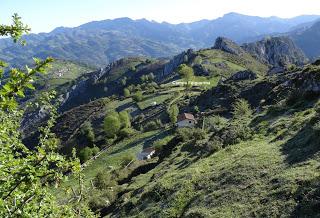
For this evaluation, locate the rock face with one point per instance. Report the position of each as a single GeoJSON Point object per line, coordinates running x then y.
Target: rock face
{"type": "Point", "coordinates": [80, 90]}
{"type": "Point", "coordinates": [227, 45]}
{"type": "Point", "coordinates": [243, 75]}
{"type": "Point", "coordinates": [181, 58]}
{"type": "Point", "coordinates": [278, 52]}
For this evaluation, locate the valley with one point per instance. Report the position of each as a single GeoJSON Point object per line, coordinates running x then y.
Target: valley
{"type": "Point", "coordinates": [135, 118]}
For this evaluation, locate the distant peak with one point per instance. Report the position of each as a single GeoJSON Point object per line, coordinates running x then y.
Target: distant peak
{"type": "Point", "coordinates": [233, 14]}
{"type": "Point", "coordinates": [123, 19]}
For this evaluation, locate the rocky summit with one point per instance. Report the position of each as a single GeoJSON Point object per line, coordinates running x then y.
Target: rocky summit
{"type": "Point", "coordinates": [227, 45]}
{"type": "Point", "coordinates": [278, 52]}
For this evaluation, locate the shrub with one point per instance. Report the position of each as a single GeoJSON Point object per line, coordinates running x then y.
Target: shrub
{"type": "Point", "coordinates": [317, 107]}
{"type": "Point", "coordinates": [152, 125]}
{"type": "Point", "coordinates": [138, 96]}
{"type": "Point", "coordinates": [215, 123]}
{"type": "Point", "coordinates": [126, 92]}
{"type": "Point", "coordinates": [123, 81]}
{"type": "Point", "coordinates": [213, 145]}
{"type": "Point", "coordinates": [262, 127]}
{"type": "Point", "coordinates": [133, 69]}
{"type": "Point", "coordinates": [126, 132]}
{"type": "Point", "coordinates": [294, 97]}
{"type": "Point", "coordinates": [95, 150]}
{"type": "Point", "coordinates": [187, 134]}
{"type": "Point", "coordinates": [104, 180]}
{"type": "Point", "coordinates": [196, 109]}
{"type": "Point", "coordinates": [85, 154]}
{"type": "Point", "coordinates": [87, 133]}
{"type": "Point", "coordinates": [236, 132]}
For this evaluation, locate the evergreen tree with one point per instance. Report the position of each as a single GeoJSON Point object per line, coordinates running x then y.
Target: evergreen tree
{"type": "Point", "coordinates": [173, 113]}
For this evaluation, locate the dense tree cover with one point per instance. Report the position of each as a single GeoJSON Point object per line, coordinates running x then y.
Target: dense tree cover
{"type": "Point", "coordinates": [27, 175]}
{"type": "Point", "coordinates": [114, 122]}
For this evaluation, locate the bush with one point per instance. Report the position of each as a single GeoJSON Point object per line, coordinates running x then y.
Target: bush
{"type": "Point", "coordinates": [213, 145]}
{"type": "Point", "coordinates": [235, 132]}
{"type": "Point", "coordinates": [138, 96]}
{"type": "Point", "coordinates": [187, 134]}
{"type": "Point", "coordinates": [126, 132]}
{"type": "Point", "coordinates": [85, 154]}
{"type": "Point", "coordinates": [87, 133]}
{"type": "Point", "coordinates": [126, 92]}
{"type": "Point", "coordinates": [215, 123]}
{"type": "Point", "coordinates": [152, 125]}
{"type": "Point", "coordinates": [104, 180]}
{"type": "Point", "coordinates": [196, 109]}
{"type": "Point", "coordinates": [263, 127]}
{"type": "Point", "coordinates": [95, 150]}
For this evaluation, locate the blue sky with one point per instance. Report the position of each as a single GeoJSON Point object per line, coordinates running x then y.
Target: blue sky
{"type": "Point", "coordinates": [45, 15]}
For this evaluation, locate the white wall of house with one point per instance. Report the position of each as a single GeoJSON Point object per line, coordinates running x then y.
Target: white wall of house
{"type": "Point", "coordinates": [186, 123]}
{"type": "Point", "coordinates": [145, 155]}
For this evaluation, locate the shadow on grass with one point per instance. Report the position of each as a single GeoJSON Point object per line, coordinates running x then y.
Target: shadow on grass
{"type": "Point", "coordinates": [194, 154]}
{"type": "Point", "coordinates": [307, 197]}
{"type": "Point", "coordinates": [275, 112]}
{"type": "Point", "coordinates": [130, 145]}
{"type": "Point", "coordinates": [302, 146]}
{"type": "Point", "coordinates": [149, 142]}
{"type": "Point", "coordinates": [124, 106]}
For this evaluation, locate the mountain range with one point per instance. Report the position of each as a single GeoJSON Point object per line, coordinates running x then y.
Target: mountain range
{"type": "Point", "coordinates": [101, 42]}
{"type": "Point", "coordinates": [253, 150]}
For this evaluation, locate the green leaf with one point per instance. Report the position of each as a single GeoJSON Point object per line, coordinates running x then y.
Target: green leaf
{"type": "Point", "coordinates": [30, 86]}
{"type": "Point", "coordinates": [20, 93]}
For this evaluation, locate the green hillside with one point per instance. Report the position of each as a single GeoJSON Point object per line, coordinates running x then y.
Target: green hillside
{"type": "Point", "coordinates": [268, 167]}
{"type": "Point", "coordinates": [227, 131]}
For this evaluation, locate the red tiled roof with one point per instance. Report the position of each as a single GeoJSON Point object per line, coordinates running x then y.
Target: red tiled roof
{"type": "Point", "coordinates": [186, 116]}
